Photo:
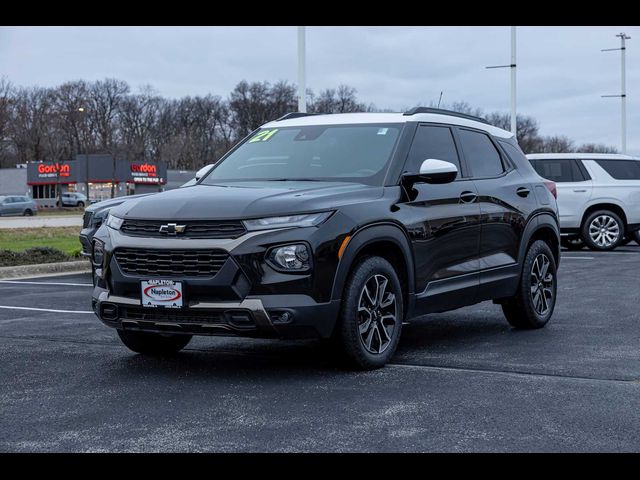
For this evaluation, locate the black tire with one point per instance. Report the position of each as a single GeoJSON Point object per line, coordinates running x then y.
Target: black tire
{"type": "Point", "coordinates": [150, 343]}
{"type": "Point", "coordinates": [522, 311]}
{"type": "Point", "coordinates": [366, 274]}
{"type": "Point", "coordinates": [80, 205]}
{"type": "Point", "coordinates": [636, 236]}
{"type": "Point", "coordinates": [587, 225]}
{"type": "Point", "coordinates": [28, 212]}
{"type": "Point", "coordinates": [572, 243]}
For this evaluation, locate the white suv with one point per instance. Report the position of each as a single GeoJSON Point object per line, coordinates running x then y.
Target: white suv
{"type": "Point", "coordinates": [598, 196]}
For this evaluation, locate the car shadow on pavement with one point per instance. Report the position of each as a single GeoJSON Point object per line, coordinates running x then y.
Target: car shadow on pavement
{"type": "Point", "coordinates": [237, 357]}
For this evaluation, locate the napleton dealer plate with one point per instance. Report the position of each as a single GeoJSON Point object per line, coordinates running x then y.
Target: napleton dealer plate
{"type": "Point", "coordinates": [161, 293]}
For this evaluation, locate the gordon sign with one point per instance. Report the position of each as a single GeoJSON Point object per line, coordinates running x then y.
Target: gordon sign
{"type": "Point", "coordinates": [53, 170]}
{"type": "Point", "coordinates": [145, 173]}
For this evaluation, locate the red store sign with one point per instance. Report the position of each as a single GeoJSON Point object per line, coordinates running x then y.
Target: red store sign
{"type": "Point", "coordinates": [52, 170]}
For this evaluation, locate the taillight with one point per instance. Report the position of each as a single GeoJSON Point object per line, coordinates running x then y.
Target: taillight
{"type": "Point", "coordinates": [552, 188]}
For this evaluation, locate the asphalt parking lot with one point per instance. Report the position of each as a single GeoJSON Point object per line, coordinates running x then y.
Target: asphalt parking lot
{"type": "Point", "coordinates": [460, 381]}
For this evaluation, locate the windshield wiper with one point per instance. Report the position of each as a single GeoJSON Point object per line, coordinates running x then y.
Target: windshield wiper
{"type": "Point", "coordinates": [294, 180]}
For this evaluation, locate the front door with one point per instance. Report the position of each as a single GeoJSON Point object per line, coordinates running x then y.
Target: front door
{"type": "Point", "coordinates": [443, 225]}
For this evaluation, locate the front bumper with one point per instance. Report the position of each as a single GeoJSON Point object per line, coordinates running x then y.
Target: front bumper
{"type": "Point", "coordinates": [271, 316]}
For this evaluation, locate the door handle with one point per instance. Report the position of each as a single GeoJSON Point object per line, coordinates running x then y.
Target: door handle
{"type": "Point", "coordinates": [523, 191]}
{"type": "Point", "coordinates": [468, 197]}
{"type": "Point", "coordinates": [579, 190]}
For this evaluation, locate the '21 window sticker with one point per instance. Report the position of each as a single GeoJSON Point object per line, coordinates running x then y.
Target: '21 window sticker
{"type": "Point", "coordinates": [263, 136]}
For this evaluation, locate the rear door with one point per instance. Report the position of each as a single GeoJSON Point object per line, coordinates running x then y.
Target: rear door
{"type": "Point", "coordinates": [506, 199]}
{"type": "Point", "coordinates": [443, 224]}
{"type": "Point", "coordinates": [574, 185]}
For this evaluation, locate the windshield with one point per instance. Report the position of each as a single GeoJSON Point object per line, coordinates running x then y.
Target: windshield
{"type": "Point", "coordinates": [349, 153]}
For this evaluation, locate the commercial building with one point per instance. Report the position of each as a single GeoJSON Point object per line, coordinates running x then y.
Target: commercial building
{"type": "Point", "coordinates": [42, 180]}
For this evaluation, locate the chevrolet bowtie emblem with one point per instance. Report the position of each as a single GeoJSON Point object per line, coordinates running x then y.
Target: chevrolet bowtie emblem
{"type": "Point", "coordinates": [172, 228]}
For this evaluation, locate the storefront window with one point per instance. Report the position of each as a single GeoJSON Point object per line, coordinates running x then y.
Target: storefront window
{"type": "Point", "coordinates": [44, 191]}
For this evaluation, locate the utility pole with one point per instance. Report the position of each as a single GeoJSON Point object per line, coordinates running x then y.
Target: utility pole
{"type": "Point", "coordinates": [302, 87]}
{"type": "Point", "coordinates": [623, 87]}
{"type": "Point", "coordinates": [512, 66]}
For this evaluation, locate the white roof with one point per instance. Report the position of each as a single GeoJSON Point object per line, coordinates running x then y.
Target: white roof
{"type": "Point", "coordinates": [582, 156]}
{"type": "Point", "coordinates": [353, 118]}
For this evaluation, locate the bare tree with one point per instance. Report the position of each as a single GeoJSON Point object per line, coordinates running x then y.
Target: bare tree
{"type": "Point", "coordinates": [556, 144]}
{"type": "Point", "coordinates": [6, 91]}
{"type": "Point", "coordinates": [340, 100]}
{"type": "Point", "coordinates": [596, 148]}
{"type": "Point", "coordinates": [106, 97]}
{"type": "Point", "coordinates": [252, 104]}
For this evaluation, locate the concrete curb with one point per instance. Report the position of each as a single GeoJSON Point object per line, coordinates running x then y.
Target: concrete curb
{"type": "Point", "coordinates": [21, 271]}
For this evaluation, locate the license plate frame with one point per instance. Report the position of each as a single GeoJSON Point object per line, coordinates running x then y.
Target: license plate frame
{"type": "Point", "coordinates": [161, 293]}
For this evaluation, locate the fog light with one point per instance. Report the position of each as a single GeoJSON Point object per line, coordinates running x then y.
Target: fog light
{"type": "Point", "coordinates": [97, 255]}
{"type": "Point", "coordinates": [291, 258]}
{"type": "Point", "coordinates": [281, 317]}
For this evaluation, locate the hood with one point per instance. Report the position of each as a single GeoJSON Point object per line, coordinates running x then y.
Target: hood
{"type": "Point", "coordinates": [247, 200]}
{"type": "Point", "coordinates": [113, 202]}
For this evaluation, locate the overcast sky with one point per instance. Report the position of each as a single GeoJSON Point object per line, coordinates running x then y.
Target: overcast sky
{"type": "Point", "coordinates": [561, 71]}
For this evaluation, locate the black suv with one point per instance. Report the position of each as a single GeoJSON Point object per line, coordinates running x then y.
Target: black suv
{"type": "Point", "coordinates": [340, 227]}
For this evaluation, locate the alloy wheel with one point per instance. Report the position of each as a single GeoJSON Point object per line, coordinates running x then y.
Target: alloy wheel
{"type": "Point", "coordinates": [541, 285]}
{"type": "Point", "coordinates": [377, 314]}
{"type": "Point", "coordinates": [604, 231]}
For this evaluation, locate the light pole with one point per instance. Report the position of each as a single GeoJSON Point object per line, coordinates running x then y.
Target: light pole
{"type": "Point", "coordinates": [302, 88]}
{"type": "Point", "coordinates": [512, 66]}
{"type": "Point", "coordinates": [623, 87]}
{"type": "Point", "coordinates": [86, 162]}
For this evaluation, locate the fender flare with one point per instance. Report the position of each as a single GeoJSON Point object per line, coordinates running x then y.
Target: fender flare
{"type": "Point", "coordinates": [367, 235]}
{"type": "Point", "coordinates": [538, 222]}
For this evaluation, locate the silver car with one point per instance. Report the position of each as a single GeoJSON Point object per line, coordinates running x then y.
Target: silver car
{"type": "Point", "coordinates": [17, 205]}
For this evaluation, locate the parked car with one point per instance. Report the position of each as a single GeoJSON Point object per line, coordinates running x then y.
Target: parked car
{"type": "Point", "coordinates": [96, 213]}
{"type": "Point", "coordinates": [340, 227]}
{"type": "Point", "coordinates": [17, 205]}
{"type": "Point", "coordinates": [73, 199]}
{"type": "Point", "coordinates": [598, 197]}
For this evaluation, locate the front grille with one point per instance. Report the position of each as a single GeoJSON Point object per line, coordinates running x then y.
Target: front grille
{"type": "Point", "coordinates": [86, 219]}
{"type": "Point", "coordinates": [171, 263]}
{"type": "Point", "coordinates": [171, 315]}
{"type": "Point", "coordinates": [193, 229]}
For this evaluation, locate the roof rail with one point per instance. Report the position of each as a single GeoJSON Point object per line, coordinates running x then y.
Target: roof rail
{"type": "Point", "coordinates": [442, 111]}
{"type": "Point", "coordinates": [290, 115]}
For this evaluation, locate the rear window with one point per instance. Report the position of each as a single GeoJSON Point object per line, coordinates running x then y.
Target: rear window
{"type": "Point", "coordinates": [559, 170]}
{"type": "Point", "coordinates": [621, 169]}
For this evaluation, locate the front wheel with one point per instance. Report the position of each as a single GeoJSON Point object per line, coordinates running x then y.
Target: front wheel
{"type": "Point", "coordinates": [150, 343]}
{"type": "Point", "coordinates": [80, 205]}
{"type": "Point", "coordinates": [533, 304]}
{"type": "Point", "coordinates": [28, 212]}
{"type": "Point", "coordinates": [371, 315]}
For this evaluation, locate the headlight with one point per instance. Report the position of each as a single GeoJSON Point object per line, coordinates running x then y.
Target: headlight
{"type": "Point", "coordinates": [306, 220]}
{"type": "Point", "coordinates": [290, 258]}
{"type": "Point", "coordinates": [97, 253]}
{"type": "Point", "coordinates": [98, 218]}
{"type": "Point", "coordinates": [114, 222]}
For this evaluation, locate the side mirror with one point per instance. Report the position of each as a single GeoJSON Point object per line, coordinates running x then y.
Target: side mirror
{"type": "Point", "coordinates": [435, 171]}
{"type": "Point", "coordinates": [203, 171]}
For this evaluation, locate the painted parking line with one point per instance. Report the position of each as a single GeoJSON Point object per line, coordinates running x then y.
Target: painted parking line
{"type": "Point", "coordinates": [577, 258]}
{"type": "Point", "coordinates": [48, 283]}
{"type": "Point", "coordinates": [50, 310]}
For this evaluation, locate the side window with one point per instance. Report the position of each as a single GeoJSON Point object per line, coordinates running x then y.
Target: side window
{"type": "Point", "coordinates": [513, 153]}
{"type": "Point", "coordinates": [432, 142]}
{"type": "Point", "coordinates": [481, 155]}
{"type": "Point", "coordinates": [559, 170]}
{"type": "Point", "coordinates": [621, 169]}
